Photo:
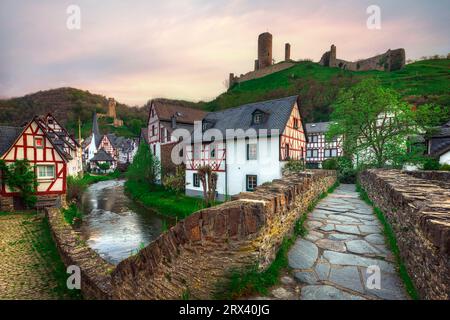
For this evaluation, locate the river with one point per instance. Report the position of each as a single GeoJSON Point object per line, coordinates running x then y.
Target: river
{"type": "Point", "coordinates": [114, 225]}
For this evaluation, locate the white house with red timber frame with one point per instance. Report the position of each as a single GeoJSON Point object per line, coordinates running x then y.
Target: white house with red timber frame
{"type": "Point", "coordinates": [48, 161]}
{"type": "Point", "coordinates": [258, 139]}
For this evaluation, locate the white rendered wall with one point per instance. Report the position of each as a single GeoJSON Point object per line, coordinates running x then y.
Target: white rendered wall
{"type": "Point", "coordinates": [445, 158]}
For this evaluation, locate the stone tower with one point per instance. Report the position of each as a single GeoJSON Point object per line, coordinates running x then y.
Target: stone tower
{"type": "Point", "coordinates": [112, 108]}
{"type": "Point", "coordinates": [264, 50]}
{"type": "Point", "coordinates": [332, 62]}
{"type": "Point", "coordinates": [287, 52]}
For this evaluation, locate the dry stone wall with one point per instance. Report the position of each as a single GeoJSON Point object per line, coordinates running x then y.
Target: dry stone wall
{"type": "Point", "coordinates": [198, 253]}
{"type": "Point", "coordinates": [417, 205]}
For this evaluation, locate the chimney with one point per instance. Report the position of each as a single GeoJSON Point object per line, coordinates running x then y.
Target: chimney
{"type": "Point", "coordinates": [174, 122]}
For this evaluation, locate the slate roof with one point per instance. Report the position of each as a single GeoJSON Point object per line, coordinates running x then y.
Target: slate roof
{"type": "Point", "coordinates": [7, 137]}
{"type": "Point", "coordinates": [165, 109]}
{"type": "Point", "coordinates": [96, 131]}
{"type": "Point", "coordinates": [102, 155]}
{"type": "Point", "coordinates": [317, 127]}
{"type": "Point", "coordinates": [276, 114]}
{"type": "Point", "coordinates": [440, 141]}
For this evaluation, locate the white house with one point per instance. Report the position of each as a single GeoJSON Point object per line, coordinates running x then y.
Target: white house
{"type": "Point", "coordinates": [438, 145]}
{"type": "Point", "coordinates": [318, 149]}
{"type": "Point", "coordinates": [246, 146]}
{"type": "Point", "coordinates": [165, 116]}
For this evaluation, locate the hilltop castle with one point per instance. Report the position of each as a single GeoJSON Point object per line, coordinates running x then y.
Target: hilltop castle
{"type": "Point", "coordinates": [264, 65]}
{"type": "Point", "coordinates": [111, 113]}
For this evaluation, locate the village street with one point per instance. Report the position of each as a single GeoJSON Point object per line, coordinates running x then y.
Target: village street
{"type": "Point", "coordinates": [29, 265]}
{"type": "Point", "coordinates": [331, 262]}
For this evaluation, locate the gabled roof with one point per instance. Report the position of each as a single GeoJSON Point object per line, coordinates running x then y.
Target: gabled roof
{"type": "Point", "coordinates": [440, 141]}
{"type": "Point", "coordinates": [7, 137]}
{"type": "Point", "coordinates": [317, 127]}
{"type": "Point", "coordinates": [102, 155]}
{"type": "Point", "coordinates": [166, 109]}
{"type": "Point", "coordinates": [277, 112]}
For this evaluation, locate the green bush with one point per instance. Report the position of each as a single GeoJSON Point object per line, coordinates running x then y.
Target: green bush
{"type": "Point", "coordinates": [445, 167]}
{"type": "Point", "coordinates": [294, 166]}
{"type": "Point", "coordinates": [176, 182]}
{"type": "Point", "coordinates": [346, 172]}
{"type": "Point", "coordinates": [330, 164]}
{"type": "Point", "coordinates": [431, 164]}
{"type": "Point", "coordinates": [75, 188]}
{"type": "Point", "coordinates": [72, 215]}
{"type": "Point", "coordinates": [20, 177]}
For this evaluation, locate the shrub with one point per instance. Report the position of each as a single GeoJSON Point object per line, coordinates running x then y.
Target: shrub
{"type": "Point", "coordinates": [20, 177]}
{"type": "Point", "coordinates": [75, 188]}
{"type": "Point", "coordinates": [294, 166]}
{"type": "Point", "coordinates": [176, 182]}
{"type": "Point", "coordinates": [72, 215]}
{"type": "Point", "coordinates": [145, 166]}
{"type": "Point", "coordinates": [445, 167]}
{"type": "Point", "coordinates": [346, 172]}
{"type": "Point", "coordinates": [330, 164]}
{"type": "Point", "coordinates": [431, 164]}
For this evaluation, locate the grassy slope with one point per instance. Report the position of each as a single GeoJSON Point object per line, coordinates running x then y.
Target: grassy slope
{"type": "Point", "coordinates": [420, 82]}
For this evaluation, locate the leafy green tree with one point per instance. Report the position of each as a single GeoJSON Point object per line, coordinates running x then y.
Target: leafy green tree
{"type": "Point", "coordinates": [376, 123]}
{"type": "Point", "coordinates": [20, 177]}
{"type": "Point", "coordinates": [104, 166]}
{"type": "Point", "coordinates": [145, 167]}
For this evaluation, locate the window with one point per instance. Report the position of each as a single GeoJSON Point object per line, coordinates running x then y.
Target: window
{"type": "Point", "coordinates": [295, 123]}
{"type": "Point", "coordinates": [315, 138]}
{"type": "Point", "coordinates": [334, 152]}
{"type": "Point", "coordinates": [163, 135]}
{"type": "Point", "coordinates": [327, 153]}
{"type": "Point", "coordinates": [39, 142]}
{"type": "Point", "coordinates": [315, 153]}
{"type": "Point", "coordinates": [196, 180]}
{"type": "Point", "coordinates": [252, 182]}
{"type": "Point", "coordinates": [252, 151]}
{"type": "Point", "coordinates": [286, 150]}
{"type": "Point", "coordinates": [154, 149]}
{"type": "Point", "coordinates": [308, 154]}
{"type": "Point", "coordinates": [153, 112]}
{"type": "Point", "coordinates": [257, 117]}
{"type": "Point", "coordinates": [46, 172]}
{"type": "Point", "coordinates": [153, 130]}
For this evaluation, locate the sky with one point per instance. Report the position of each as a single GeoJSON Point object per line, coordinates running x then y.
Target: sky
{"type": "Point", "coordinates": [185, 49]}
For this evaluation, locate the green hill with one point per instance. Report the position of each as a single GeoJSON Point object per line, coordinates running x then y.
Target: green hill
{"type": "Point", "coordinates": [426, 81]}
{"type": "Point", "coordinates": [69, 104]}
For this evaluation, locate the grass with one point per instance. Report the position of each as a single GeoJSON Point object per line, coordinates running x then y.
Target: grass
{"type": "Point", "coordinates": [253, 281]}
{"type": "Point", "coordinates": [44, 246]}
{"type": "Point", "coordinates": [90, 178]}
{"type": "Point", "coordinates": [72, 213]}
{"type": "Point", "coordinates": [165, 202]}
{"type": "Point", "coordinates": [392, 242]}
{"type": "Point", "coordinates": [318, 86]}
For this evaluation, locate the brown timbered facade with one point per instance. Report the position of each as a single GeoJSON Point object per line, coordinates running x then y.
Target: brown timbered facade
{"type": "Point", "coordinates": [318, 149]}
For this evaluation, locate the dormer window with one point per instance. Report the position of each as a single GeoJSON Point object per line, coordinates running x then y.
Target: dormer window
{"type": "Point", "coordinates": [258, 117]}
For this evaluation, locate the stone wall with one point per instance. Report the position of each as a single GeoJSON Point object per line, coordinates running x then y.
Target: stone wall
{"type": "Point", "coordinates": [198, 253]}
{"type": "Point", "coordinates": [6, 204]}
{"type": "Point", "coordinates": [260, 72]}
{"type": "Point", "coordinates": [95, 272]}
{"type": "Point", "coordinates": [417, 205]}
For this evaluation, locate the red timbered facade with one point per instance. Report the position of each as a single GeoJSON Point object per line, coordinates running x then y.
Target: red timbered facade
{"type": "Point", "coordinates": [48, 161]}
{"type": "Point", "coordinates": [293, 140]}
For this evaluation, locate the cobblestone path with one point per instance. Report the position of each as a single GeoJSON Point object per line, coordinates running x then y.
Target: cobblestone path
{"type": "Point", "coordinates": [331, 262]}
{"type": "Point", "coordinates": [27, 266]}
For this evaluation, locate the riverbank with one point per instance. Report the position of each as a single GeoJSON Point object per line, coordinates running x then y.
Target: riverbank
{"type": "Point", "coordinates": [163, 201]}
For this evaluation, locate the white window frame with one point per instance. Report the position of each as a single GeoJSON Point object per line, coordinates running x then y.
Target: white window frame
{"type": "Point", "coordinates": [252, 154]}
{"type": "Point", "coordinates": [46, 177]}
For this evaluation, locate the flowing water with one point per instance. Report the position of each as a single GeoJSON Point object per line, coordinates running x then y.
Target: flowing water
{"type": "Point", "coordinates": [114, 225]}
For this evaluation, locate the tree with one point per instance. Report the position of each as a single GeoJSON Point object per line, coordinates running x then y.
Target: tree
{"type": "Point", "coordinates": [375, 123]}
{"type": "Point", "coordinates": [208, 178]}
{"type": "Point", "coordinates": [104, 166]}
{"type": "Point", "coordinates": [20, 177]}
{"type": "Point", "coordinates": [145, 167]}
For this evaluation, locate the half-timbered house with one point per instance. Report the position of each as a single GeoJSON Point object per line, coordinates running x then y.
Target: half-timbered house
{"type": "Point", "coordinates": [164, 117]}
{"type": "Point", "coordinates": [34, 143]}
{"type": "Point", "coordinates": [318, 148]}
{"type": "Point", "coordinates": [258, 139]}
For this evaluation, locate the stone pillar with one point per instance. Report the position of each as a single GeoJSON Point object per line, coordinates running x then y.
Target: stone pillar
{"type": "Point", "coordinates": [231, 80]}
{"type": "Point", "coordinates": [112, 108]}
{"type": "Point", "coordinates": [256, 64]}
{"type": "Point", "coordinates": [333, 62]}
{"type": "Point", "coordinates": [287, 52]}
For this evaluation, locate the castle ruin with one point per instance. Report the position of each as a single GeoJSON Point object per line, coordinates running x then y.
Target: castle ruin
{"type": "Point", "coordinates": [391, 60]}
{"type": "Point", "coordinates": [111, 113]}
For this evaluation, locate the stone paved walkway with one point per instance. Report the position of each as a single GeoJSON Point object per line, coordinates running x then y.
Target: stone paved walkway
{"type": "Point", "coordinates": [344, 238]}
{"type": "Point", "coordinates": [24, 267]}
